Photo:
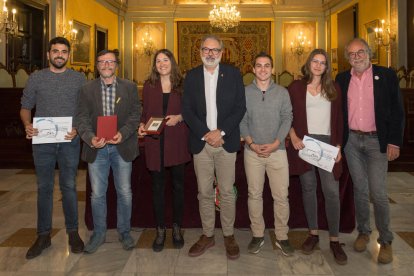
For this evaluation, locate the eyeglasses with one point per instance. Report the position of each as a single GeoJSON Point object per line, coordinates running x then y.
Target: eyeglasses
{"type": "Point", "coordinates": [320, 62]}
{"type": "Point", "coordinates": [361, 53]}
{"type": "Point", "coordinates": [108, 62]}
{"type": "Point", "coordinates": [260, 66]}
{"type": "Point", "coordinates": [206, 50]}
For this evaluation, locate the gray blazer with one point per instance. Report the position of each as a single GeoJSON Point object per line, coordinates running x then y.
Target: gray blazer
{"type": "Point", "coordinates": [127, 109]}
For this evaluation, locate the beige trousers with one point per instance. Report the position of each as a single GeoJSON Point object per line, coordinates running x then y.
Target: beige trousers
{"type": "Point", "coordinates": [212, 159]}
{"type": "Point", "coordinates": [277, 169]}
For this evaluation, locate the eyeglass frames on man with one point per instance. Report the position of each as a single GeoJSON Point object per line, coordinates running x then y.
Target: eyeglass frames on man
{"type": "Point", "coordinates": [360, 53]}
{"type": "Point", "coordinates": [206, 50]}
{"type": "Point", "coordinates": [108, 62]}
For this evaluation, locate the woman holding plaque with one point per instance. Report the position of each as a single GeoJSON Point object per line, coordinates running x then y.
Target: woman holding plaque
{"type": "Point", "coordinates": [317, 113]}
{"type": "Point", "coordinates": [166, 151]}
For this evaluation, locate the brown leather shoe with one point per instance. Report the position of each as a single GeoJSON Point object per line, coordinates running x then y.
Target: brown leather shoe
{"type": "Point", "coordinates": [339, 254]}
{"type": "Point", "coordinates": [385, 253]}
{"type": "Point", "coordinates": [361, 242]}
{"type": "Point", "coordinates": [201, 246]}
{"type": "Point", "coordinates": [310, 243]}
{"type": "Point", "coordinates": [232, 249]}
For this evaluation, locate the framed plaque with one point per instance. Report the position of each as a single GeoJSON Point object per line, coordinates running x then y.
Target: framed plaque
{"type": "Point", "coordinates": [155, 125]}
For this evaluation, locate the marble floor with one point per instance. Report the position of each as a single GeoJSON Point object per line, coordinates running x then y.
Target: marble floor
{"type": "Point", "coordinates": [18, 223]}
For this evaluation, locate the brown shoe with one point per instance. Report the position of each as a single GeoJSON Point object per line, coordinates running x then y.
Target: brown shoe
{"type": "Point", "coordinates": [201, 246]}
{"type": "Point", "coordinates": [232, 249]}
{"type": "Point", "coordinates": [361, 242]}
{"type": "Point", "coordinates": [385, 253]}
{"type": "Point", "coordinates": [339, 254]}
{"type": "Point", "coordinates": [310, 243]}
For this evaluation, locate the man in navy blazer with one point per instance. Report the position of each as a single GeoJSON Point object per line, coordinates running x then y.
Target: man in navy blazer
{"type": "Point", "coordinates": [373, 135]}
{"type": "Point", "coordinates": [105, 96]}
{"type": "Point", "coordinates": [213, 106]}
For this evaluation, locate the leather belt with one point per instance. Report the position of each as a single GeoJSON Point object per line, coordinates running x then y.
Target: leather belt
{"type": "Point", "coordinates": [359, 132]}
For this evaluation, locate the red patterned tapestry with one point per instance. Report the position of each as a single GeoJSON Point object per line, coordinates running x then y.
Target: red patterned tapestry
{"type": "Point", "coordinates": [241, 44]}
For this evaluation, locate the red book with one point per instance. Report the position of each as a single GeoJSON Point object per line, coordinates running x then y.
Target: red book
{"type": "Point", "coordinates": [107, 127]}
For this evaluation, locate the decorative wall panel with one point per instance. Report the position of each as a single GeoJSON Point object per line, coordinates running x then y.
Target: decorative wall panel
{"type": "Point", "coordinates": [143, 55]}
{"type": "Point", "coordinates": [292, 61]}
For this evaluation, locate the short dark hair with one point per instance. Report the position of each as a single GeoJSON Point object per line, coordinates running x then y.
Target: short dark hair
{"type": "Point", "coordinates": [58, 40]}
{"type": "Point", "coordinates": [265, 55]}
{"type": "Point", "coordinates": [106, 51]}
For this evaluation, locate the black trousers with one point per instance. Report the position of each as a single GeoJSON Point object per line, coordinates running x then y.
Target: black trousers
{"type": "Point", "coordinates": [158, 193]}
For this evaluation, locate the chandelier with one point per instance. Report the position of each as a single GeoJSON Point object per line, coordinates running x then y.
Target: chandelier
{"type": "Point", "coordinates": [300, 45]}
{"type": "Point", "coordinates": [68, 32]}
{"type": "Point", "coordinates": [224, 16]}
{"type": "Point", "coordinates": [8, 24]}
{"type": "Point", "coordinates": [148, 46]}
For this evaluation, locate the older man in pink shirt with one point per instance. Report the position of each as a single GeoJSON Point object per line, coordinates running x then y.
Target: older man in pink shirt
{"type": "Point", "coordinates": [373, 135]}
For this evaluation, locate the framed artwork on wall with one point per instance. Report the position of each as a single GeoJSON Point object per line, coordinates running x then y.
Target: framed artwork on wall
{"type": "Point", "coordinates": [370, 38]}
{"type": "Point", "coordinates": [81, 50]}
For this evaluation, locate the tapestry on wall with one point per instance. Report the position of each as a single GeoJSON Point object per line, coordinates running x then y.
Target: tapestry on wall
{"type": "Point", "coordinates": [241, 44]}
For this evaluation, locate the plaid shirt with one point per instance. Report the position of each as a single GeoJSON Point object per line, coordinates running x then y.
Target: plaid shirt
{"type": "Point", "coordinates": [108, 97]}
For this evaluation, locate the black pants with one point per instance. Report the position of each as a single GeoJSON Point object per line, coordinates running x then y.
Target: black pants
{"type": "Point", "coordinates": [158, 193]}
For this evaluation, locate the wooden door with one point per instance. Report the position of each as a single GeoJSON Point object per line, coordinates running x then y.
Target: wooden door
{"type": "Point", "coordinates": [347, 30]}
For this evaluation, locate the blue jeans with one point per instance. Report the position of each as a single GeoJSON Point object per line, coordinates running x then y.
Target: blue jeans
{"type": "Point", "coordinates": [45, 157]}
{"type": "Point", "coordinates": [368, 168]}
{"type": "Point", "coordinates": [108, 157]}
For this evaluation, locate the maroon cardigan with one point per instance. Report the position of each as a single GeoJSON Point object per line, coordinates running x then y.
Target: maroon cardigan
{"type": "Point", "coordinates": [175, 137]}
{"type": "Point", "coordinates": [297, 92]}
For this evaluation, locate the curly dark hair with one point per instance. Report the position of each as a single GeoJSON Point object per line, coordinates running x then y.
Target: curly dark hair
{"type": "Point", "coordinates": [176, 77]}
{"type": "Point", "coordinates": [327, 84]}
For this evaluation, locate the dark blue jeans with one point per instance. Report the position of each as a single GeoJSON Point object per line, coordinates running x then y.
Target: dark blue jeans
{"type": "Point", "coordinates": [45, 157]}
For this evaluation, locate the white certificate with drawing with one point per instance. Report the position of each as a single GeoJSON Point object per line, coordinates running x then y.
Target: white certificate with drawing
{"type": "Point", "coordinates": [51, 129]}
{"type": "Point", "coordinates": [318, 153]}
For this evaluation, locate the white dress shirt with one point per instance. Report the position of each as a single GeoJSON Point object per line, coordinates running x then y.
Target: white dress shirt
{"type": "Point", "coordinates": [210, 88]}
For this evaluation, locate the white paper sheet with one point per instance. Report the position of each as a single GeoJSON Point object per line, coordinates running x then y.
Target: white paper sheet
{"type": "Point", "coordinates": [51, 129]}
{"type": "Point", "coordinates": [318, 153]}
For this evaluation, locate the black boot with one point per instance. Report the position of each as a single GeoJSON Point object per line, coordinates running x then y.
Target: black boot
{"type": "Point", "coordinates": [42, 242]}
{"type": "Point", "coordinates": [158, 244]}
{"type": "Point", "coordinates": [177, 236]}
{"type": "Point", "coordinates": [75, 242]}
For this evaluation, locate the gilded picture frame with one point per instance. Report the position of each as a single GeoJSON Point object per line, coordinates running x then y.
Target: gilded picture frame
{"type": "Point", "coordinates": [370, 38]}
{"type": "Point", "coordinates": [81, 50]}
